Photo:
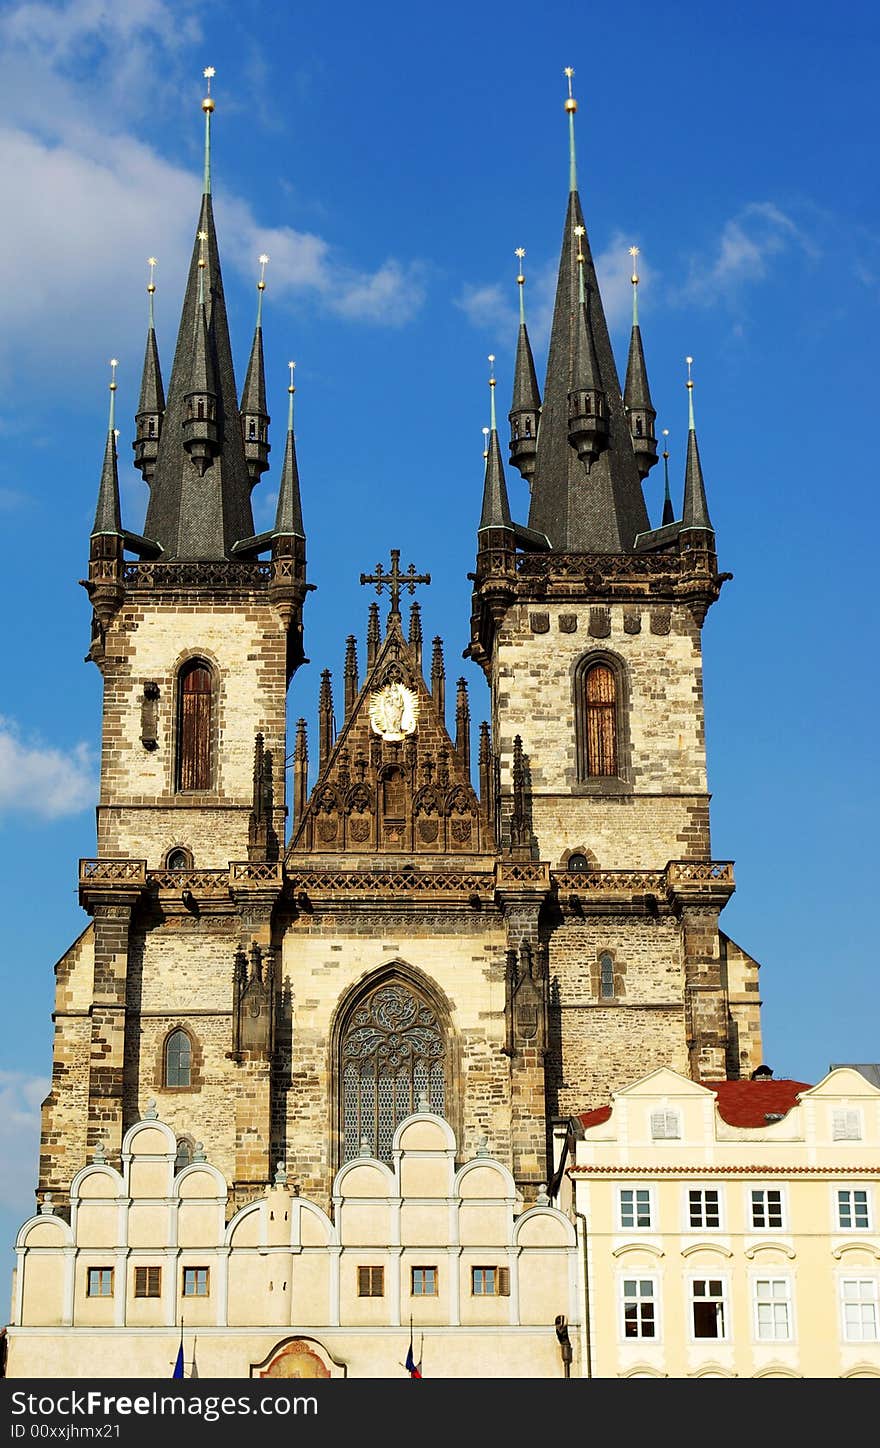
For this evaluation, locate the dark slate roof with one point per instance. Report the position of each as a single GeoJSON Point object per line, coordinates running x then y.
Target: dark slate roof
{"type": "Point", "coordinates": [152, 392]}
{"type": "Point", "coordinates": [870, 1071]}
{"type": "Point", "coordinates": [636, 392]}
{"type": "Point", "coordinates": [288, 517]}
{"type": "Point", "coordinates": [496, 507]}
{"type": "Point", "coordinates": [197, 517]}
{"type": "Point", "coordinates": [108, 516]}
{"type": "Point", "coordinates": [526, 397]}
{"type": "Point", "coordinates": [695, 512]}
{"type": "Point", "coordinates": [585, 372]}
{"type": "Point", "coordinates": [253, 397]}
{"type": "Point", "coordinates": [603, 510]}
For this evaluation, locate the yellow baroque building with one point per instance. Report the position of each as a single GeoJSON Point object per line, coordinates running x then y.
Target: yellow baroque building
{"type": "Point", "coordinates": [728, 1229]}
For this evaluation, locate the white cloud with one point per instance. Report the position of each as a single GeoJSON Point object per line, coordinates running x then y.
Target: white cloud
{"type": "Point", "coordinates": [20, 1098]}
{"type": "Point", "coordinates": [41, 780]}
{"type": "Point", "coordinates": [745, 249]}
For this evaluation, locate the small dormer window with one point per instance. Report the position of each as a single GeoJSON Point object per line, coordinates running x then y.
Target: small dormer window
{"type": "Point", "coordinates": [846, 1126]}
{"type": "Point", "coordinates": [665, 1125]}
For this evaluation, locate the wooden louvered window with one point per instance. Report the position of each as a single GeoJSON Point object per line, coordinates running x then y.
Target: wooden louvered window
{"type": "Point", "coordinates": [194, 727]}
{"type": "Point", "coordinates": [371, 1281]}
{"type": "Point", "coordinates": [601, 721]}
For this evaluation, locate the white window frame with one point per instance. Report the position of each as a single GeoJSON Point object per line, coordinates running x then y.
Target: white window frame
{"type": "Point", "coordinates": [638, 1277]}
{"type": "Point", "coordinates": [766, 1187]}
{"type": "Point", "coordinates": [846, 1124]}
{"type": "Point", "coordinates": [702, 1187]}
{"type": "Point", "coordinates": [869, 1207]}
{"type": "Point", "coordinates": [873, 1284]}
{"type": "Point", "coordinates": [772, 1277]}
{"type": "Point", "coordinates": [636, 1226]}
{"type": "Point", "coordinates": [708, 1275]}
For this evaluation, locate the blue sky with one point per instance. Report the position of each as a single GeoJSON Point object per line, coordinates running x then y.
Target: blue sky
{"type": "Point", "coordinates": [390, 159]}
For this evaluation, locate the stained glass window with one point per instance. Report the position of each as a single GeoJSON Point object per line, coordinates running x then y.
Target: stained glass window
{"type": "Point", "coordinates": [392, 1054]}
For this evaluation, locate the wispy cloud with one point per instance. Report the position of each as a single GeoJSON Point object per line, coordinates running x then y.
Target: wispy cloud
{"type": "Point", "coordinates": [40, 779]}
{"type": "Point", "coordinates": [20, 1098]}
{"type": "Point", "coordinates": [744, 252]}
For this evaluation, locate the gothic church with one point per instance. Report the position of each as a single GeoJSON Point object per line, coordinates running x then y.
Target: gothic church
{"type": "Point", "coordinates": [499, 942]}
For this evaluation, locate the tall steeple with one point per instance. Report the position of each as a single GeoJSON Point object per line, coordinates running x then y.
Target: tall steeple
{"type": "Point", "coordinates": [636, 393]}
{"type": "Point", "coordinates": [288, 515]}
{"type": "Point", "coordinates": [254, 417]}
{"type": "Point", "coordinates": [151, 407]}
{"type": "Point", "coordinates": [600, 511]}
{"type": "Point", "coordinates": [108, 514]}
{"type": "Point", "coordinates": [695, 511]}
{"type": "Point", "coordinates": [496, 506]}
{"type": "Point", "coordinates": [200, 496]}
{"type": "Point", "coordinates": [525, 409]}
{"type": "Point", "coordinates": [587, 400]}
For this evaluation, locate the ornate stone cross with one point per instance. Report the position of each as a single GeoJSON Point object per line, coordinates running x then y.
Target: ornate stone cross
{"type": "Point", "coordinates": [394, 579]}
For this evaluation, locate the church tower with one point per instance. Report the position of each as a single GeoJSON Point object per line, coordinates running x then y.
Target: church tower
{"type": "Point", "coordinates": [588, 626]}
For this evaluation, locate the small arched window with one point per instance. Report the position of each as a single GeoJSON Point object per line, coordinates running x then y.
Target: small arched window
{"type": "Point", "coordinates": [578, 862]}
{"type": "Point", "coordinates": [606, 977]}
{"type": "Point", "coordinates": [179, 860]}
{"type": "Point", "coordinates": [601, 720]}
{"type": "Point", "coordinates": [178, 1059]}
{"type": "Point", "coordinates": [184, 1153]}
{"type": "Point", "coordinates": [194, 709]}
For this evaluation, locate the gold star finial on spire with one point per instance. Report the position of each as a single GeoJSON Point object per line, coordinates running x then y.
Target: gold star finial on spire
{"type": "Point", "coordinates": [580, 232]}
{"type": "Point", "coordinates": [113, 366]}
{"type": "Point", "coordinates": [202, 237]}
{"type": "Point", "coordinates": [665, 445]}
{"type": "Point", "coordinates": [690, 363]}
{"type": "Point", "coordinates": [152, 263]}
{"type": "Point", "coordinates": [491, 369]}
{"type": "Point", "coordinates": [263, 260]}
{"type": "Point", "coordinates": [634, 253]}
{"type": "Point", "coordinates": [571, 104]}
{"type": "Point", "coordinates": [291, 387]}
{"type": "Point", "coordinates": [208, 103]}
{"type": "Point", "coordinates": [485, 443]}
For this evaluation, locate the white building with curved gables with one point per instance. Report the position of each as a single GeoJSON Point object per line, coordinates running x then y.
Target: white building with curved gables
{"type": "Point", "coordinates": [282, 1289]}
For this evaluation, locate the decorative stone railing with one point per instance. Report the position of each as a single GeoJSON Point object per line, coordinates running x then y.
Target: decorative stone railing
{"type": "Point", "coordinates": [700, 872]}
{"type": "Point", "coordinates": [376, 883]}
{"type": "Point", "coordinates": [256, 872]}
{"type": "Point", "coordinates": [112, 872]}
{"type": "Point", "coordinates": [223, 573]}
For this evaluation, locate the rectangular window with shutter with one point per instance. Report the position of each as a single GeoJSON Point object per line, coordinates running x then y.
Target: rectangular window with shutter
{"type": "Point", "coordinates": [371, 1282]}
{"type": "Point", "coordinates": [665, 1126]}
{"type": "Point", "coordinates": [490, 1281]}
{"type": "Point", "coordinates": [148, 1281]}
{"type": "Point", "coordinates": [846, 1126]}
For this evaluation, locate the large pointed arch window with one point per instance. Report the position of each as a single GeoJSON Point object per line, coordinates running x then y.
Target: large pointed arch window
{"type": "Point", "coordinates": [601, 707]}
{"type": "Point", "coordinates": [178, 1060]}
{"type": "Point", "coordinates": [600, 721]}
{"type": "Point", "coordinates": [195, 704]}
{"type": "Point", "coordinates": [392, 1052]}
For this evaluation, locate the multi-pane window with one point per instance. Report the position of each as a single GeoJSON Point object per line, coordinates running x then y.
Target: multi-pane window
{"type": "Point", "coordinates": [178, 1059]}
{"type": "Point", "coordinates": [184, 1153]}
{"type": "Point", "coordinates": [606, 976]}
{"type": "Point", "coordinates": [708, 1307]}
{"type": "Point", "coordinates": [424, 1281]}
{"type": "Point", "coordinates": [860, 1315]}
{"type": "Point", "coordinates": [846, 1126]}
{"type": "Point", "coordinates": [490, 1281]}
{"type": "Point", "coordinates": [766, 1206]}
{"type": "Point", "coordinates": [704, 1207]}
{"type": "Point", "coordinates": [148, 1281]}
{"type": "Point", "coordinates": [852, 1209]}
{"type": "Point", "coordinates": [665, 1126]}
{"type": "Point", "coordinates": [773, 1309]}
{"type": "Point", "coordinates": [100, 1282]}
{"type": "Point", "coordinates": [392, 1052]}
{"type": "Point", "coordinates": [371, 1282]}
{"type": "Point", "coordinates": [601, 720]}
{"type": "Point", "coordinates": [196, 1281]}
{"type": "Point", "coordinates": [639, 1307]}
{"type": "Point", "coordinates": [635, 1207]}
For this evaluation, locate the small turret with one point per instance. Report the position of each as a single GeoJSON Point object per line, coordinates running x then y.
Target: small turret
{"type": "Point", "coordinates": [300, 771]}
{"type": "Point", "coordinates": [636, 393]}
{"type": "Point", "coordinates": [104, 584]}
{"type": "Point", "coordinates": [668, 510]}
{"type": "Point", "coordinates": [350, 675]}
{"type": "Point", "coordinates": [587, 402]}
{"type": "Point", "coordinates": [496, 506]}
{"type": "Point", "coordinates": [374, 634]}
{"type": "Point", "coordinates": [438, 678]}
{"type": "Point", "coordinates": [525, 410]}
{"type": "Point", "coordinates": [151, 408]}
{"type": "Point", "coordinates": [696, 529]}
{"type": "Point", "coordinates": [326, 720]}
{"type": "Point", "coordinates": [463, 724]}
{"type": "Point", "coordinates": [200, 431]}
{"type": "Point", "coordinates": [254, 417]}
{"type": "Point", "coordinates": [415, 630]}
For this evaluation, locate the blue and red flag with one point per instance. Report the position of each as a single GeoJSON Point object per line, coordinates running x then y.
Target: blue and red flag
{"type": "Point", "coordinates": [414, 1368]}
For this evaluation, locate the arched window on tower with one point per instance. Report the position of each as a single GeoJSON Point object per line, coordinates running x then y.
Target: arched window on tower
{"type": "Point", "coordinates": [606, 976]}
{"type": "Point", "coordinates": [601, 720]}
{"type": "Point", "coordinates": [194, 726]}
{"type": "Point", "coordinates": [392, 1052]}
{"type": "Point", "coordinates": [178, 1059]}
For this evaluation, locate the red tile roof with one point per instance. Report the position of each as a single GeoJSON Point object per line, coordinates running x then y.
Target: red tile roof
{"type": "Point", "coordinates": [740, 1103]}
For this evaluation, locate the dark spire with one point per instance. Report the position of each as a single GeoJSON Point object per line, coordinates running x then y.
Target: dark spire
{"type": "Point", "coordinates": [151, 407]}
{"type": "Point", "coordinates": [525, 410]}
{"type": "Point", "coordinates": [463, 724]}
{"type": "Point", "coordinates": [438, 678]}
{"type": "Point", "coordinates": [254, 417]}
{"type": "Point", "coordinates": [636, 392]}
{"type": "Point", "coordinates": [326, 721]}
{"type": "Point", "coordinates": [288, 516]}
{"type": "Point", "coordinates": [374, 634]}
{"type": "Point", "coordinates": [108, 515]}
{"type": "Point", "coordinates": [668, 510]}
{"type": "Point", "coordinates": [200, 434]}
{"type": "Point", "coordinates": [603, 511]}
{"type": "Point", "coordinates": [415, 630]}
{"type": "Point", "coordinates": [695, 512]}
{"type": "Point", "coordinates": [300, 771]}
{"type": "Point", "coordinates": [587, 400]}
{"type": "Point", "coordinates": [193, 515]}
{"type": "Point", "coordinates": [496, 507]}
{"type": "Point", "coordinates": [350, 674]}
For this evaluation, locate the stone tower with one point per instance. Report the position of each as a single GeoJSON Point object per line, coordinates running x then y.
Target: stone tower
{"type": "Point", "coordinates": [507, 939]}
